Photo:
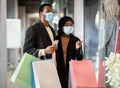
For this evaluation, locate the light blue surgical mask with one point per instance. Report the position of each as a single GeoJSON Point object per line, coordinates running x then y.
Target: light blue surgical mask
{"type": "Point", "coordinates": [68, 29]}
{"type": "Point", "coordinates": [49, 16]}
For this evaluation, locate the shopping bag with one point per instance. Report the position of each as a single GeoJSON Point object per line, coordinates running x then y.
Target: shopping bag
{"type": "Point", "coordinates": [33, 81]}
{"type": "Point", "coordinates": [82, 74]}
{"type": "Point", "coordinates": [117, 43]}
{"type": "Point", "coordinates": [22, 75]}
{"type": "Point", "coordinates": [101, 75]}
{"type": "Point", "coordinates": [45, 74]}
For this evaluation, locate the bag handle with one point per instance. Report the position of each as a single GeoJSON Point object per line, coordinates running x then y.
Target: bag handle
{"type": "Point", "coordinates": [38, 56]}
{"type": "Point", "coordinates": [35, 52]}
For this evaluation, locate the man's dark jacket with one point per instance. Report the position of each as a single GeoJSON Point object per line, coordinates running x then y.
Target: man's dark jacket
{"type": "Point", "coordinates": [37, 37]}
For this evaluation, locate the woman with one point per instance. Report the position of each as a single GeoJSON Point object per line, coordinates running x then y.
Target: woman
{"type": "Point", "coordinates": [69, 47]}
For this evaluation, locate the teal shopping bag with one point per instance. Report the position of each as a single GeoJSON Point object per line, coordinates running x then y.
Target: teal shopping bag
{"type": "Point", "coordinates": [23, 73]}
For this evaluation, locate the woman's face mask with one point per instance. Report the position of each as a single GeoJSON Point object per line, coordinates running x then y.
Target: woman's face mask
{"type": "Point", "coordinates": [68, 30]}
{"type": "Point", "coordinates": [49, 16]}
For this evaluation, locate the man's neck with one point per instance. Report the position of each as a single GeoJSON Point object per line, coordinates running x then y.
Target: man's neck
{"type": "Point", "coordinates": [46, 24]}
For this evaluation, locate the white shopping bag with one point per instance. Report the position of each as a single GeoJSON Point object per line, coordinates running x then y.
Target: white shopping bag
{"type": "Point", "coordinates": [45, 74]}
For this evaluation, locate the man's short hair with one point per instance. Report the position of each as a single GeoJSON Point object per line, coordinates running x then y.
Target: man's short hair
{"type": "Point", "coordinates": [41, 8]}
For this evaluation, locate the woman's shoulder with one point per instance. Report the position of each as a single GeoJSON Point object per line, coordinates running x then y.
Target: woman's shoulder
{"type": "Point", "coordinates": [74, 37]}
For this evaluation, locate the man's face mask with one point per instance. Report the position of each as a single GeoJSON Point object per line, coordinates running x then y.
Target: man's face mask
{"type": "Point", "coordinates": [68, 30]}
{"type": "Point", "coordinates": [49, 16]}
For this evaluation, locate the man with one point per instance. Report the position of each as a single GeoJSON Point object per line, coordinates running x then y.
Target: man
{"type": "Point", "coordinates": [39, 36]}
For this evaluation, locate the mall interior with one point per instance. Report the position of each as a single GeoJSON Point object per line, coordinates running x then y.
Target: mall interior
{"type": "Point", "coordinates": [17, 15]}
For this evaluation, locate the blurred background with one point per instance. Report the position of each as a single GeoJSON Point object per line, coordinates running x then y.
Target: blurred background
{"type": "Point", "coordinates": [17, 15]}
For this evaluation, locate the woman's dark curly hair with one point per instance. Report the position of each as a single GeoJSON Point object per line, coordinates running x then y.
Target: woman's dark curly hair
{"type": "Point", "coordinates": [62, 22]}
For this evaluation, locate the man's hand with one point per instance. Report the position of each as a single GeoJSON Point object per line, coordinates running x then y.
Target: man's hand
{"type": "Point", "coordinates": [50, 49]}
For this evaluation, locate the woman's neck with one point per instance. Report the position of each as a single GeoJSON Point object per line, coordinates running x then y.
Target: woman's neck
{"type": "Point", "coordinates": [66, 36]}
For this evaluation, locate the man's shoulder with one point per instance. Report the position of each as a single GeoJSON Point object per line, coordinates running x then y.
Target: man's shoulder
{"type": "Point", "coordinates": [34, 26]}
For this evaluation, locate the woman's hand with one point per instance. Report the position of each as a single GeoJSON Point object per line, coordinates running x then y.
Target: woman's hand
{"type": "Point", "coordinates": [78, 44]}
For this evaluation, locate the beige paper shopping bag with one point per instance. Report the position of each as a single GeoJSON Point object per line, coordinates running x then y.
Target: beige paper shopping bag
{"type": "Point", "coordinates": [45, 74]}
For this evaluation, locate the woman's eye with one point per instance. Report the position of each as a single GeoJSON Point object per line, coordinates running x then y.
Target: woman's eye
{"type": "Point", "coordinates": [68, 25]}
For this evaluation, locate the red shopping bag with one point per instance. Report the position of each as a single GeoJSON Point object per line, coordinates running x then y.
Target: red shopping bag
{"type": "Point", "coordinates": [101, 75]}
{"type": "Point", "coordinates": [117, 45]}
{"type": "Point", "coordinates": [82, 74]}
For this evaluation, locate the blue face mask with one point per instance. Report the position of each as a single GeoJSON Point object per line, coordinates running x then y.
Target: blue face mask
{"type": "Point", "coordinates": [49, 16]}
{"type": "Point", "coordinates": [68, 30]}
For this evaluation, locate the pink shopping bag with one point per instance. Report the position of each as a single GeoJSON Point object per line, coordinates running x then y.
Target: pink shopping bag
{"type": "Point", "coordinates": [82, 74]}
{"type": "Point", "coordinates": [117, 44]}
{"type": "Point", "coordinates": [101, 76]}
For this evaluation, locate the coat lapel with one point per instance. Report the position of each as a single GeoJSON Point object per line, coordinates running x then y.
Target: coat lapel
{"type": "Point", "coordinates": [44, 30]}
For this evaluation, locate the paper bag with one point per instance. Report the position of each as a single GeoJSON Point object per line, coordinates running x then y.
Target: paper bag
{"type": "Point", "coordinates": [33, 81]}
{"type": "Point", "coordinates": [101, 76]}
{"type": "Point", "coordinates": [45, 74]}
{"type": "Point", "coordinates": [117, 47]}
{"type": "Point", "coordinates": [22, 74]}
{"type": "Point", "coordinates": [82, 74]}
{"type": "Point", "coordinates": [117, 43]}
